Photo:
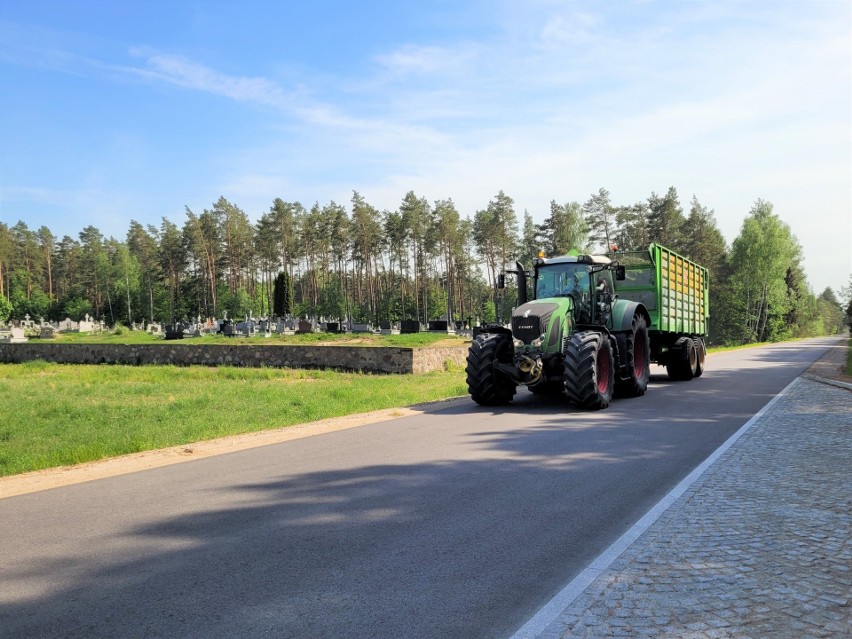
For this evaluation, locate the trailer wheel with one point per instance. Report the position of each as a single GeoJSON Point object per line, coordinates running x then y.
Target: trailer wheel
{"type": "Point", "coordinates": [486, 386]}
{"type": "Point", "coordinates": [589, 374]}
{"type": "Point", "coordinates": [683, 360]}
{"type": "Point", "coordinates": [638, 353]}
{"type": "Point", "coordinates": [700, 352]}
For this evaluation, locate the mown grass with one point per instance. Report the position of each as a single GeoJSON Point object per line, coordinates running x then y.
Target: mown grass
{"type": "Point", "coordinates": [59, 414]}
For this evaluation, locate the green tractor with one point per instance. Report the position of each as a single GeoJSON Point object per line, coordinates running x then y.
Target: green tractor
{"type": "Point", "coordinates": [577, 335]}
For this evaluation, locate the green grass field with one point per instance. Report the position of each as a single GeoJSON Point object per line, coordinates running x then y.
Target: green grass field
{"type": "Point", "coordinates": [57, 415]}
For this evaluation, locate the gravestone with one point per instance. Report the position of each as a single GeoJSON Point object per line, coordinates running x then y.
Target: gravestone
{"type": "Point", "coordinates": [17, 335]}
{"type": "Point", "coordinates": [87, 325]}
{"type": "Point", "coordinates": [409, 326]}
{"type": "Point", "coordinates": [68, 325]}
{"type": "Point", "coordinates": [174, 331]}
{"type": "Point", "coordinates": [305, 326]}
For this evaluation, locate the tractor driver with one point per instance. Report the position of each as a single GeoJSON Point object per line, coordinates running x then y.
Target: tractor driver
{"type": "Point", "coordinates": [577, 288]}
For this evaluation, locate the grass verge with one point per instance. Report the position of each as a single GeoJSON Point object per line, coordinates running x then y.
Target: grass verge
{"type": "Point", "coordinates": [59, 414]}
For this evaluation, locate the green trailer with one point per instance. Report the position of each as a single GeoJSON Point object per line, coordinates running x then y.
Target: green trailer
{"type": "Point", "coordinates": [675, 292]}
{"type": "Point", "coordinates": [589, 326]}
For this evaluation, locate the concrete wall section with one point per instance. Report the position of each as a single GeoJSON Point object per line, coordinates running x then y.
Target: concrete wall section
{"type": "Point", "coordinates": [358, 358]}
{"type": "Point", "coordinates": [436, 359]}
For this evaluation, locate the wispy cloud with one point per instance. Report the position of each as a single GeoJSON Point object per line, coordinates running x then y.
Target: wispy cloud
{"type": "Point", "coordinates": [428, 60]}
{"type": "Point", "coordinates": [188, 74]}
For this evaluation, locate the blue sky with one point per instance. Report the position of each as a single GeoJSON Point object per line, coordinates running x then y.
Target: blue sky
{"type": "Point", "coordinates": [116, 110]}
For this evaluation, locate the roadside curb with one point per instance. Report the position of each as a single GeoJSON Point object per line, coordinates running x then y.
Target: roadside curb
{"type": "Point", "coordinates": [825, 380]}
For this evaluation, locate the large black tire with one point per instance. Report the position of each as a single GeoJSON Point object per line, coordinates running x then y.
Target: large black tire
{"type": "Point", "coordinates": [683, 360]}
{"type": "Point", "coordinates": [638, 353]}
{"type": "Point", "coordinates": [701, 352]}
{"type": "Point", "coordinates": [488, 387]}
{"type": "Point", "coordinates": [589, 374]}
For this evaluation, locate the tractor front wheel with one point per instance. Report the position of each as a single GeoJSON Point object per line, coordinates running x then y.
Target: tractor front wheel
{"type": "Point", "coordinates": [589, 374]}
{"type": "Point", "coordinates": [486, 385]}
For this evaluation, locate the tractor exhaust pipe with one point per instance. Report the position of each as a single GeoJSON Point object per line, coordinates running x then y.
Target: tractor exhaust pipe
{"type": "Point", "coordinates": [522, 283]}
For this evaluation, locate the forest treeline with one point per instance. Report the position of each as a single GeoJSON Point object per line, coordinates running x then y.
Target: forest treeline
{"type": "Point", "coordinates": [422, 261]}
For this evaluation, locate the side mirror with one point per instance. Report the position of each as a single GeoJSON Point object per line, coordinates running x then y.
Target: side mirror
{"type": "Point", "coordinates": [501, 281]}
{"type": "Point", "coordinates": [620, 273]}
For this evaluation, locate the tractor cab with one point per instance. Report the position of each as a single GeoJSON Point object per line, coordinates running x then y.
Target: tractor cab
{"type": "Point", "coordinates": [586, 279]}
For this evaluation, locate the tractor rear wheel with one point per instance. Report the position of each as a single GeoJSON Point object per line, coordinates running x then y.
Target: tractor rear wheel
{"type": "Point", "coordinates": [486, 385]}
{"type": "Point", "coordinates": [638, 360]}
{"type": "Point", "coordinates": [589, 374]}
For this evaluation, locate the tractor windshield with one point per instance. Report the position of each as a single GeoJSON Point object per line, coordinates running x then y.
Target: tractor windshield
{"type": "Point", "coordinates": [563, 280]}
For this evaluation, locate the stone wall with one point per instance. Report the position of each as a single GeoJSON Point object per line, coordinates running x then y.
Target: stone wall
{"type": "Point", "coordinates": [359, 358]}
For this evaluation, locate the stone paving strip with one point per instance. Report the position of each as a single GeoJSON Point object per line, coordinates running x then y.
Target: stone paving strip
{"type": "Point", "coordinates": [759, 546]}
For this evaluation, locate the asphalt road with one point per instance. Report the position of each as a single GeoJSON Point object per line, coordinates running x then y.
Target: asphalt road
{"type": "Point", "coordinates": [460, 522]}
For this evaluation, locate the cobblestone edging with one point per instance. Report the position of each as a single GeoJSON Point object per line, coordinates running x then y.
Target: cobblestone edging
{"type": "Point", "coordinates": [358, 358]}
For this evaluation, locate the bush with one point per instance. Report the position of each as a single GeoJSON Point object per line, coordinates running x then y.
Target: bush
{"type": "Point", "coordinates": [5, 309]}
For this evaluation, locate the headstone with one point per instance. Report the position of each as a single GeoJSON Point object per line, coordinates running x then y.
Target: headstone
{"type": "Point", "coordinates": [17, 335]}
{"type": "Point", "coordinates": [174, 331]}
{"type": "Point", "coordinates": [409, 326]}
{"type": "Point", "coordinates": [305, 326]}
{"type": "Point", "coordinates": [362, 328]}
{"type": "Point", "coordinates": [68, 325]}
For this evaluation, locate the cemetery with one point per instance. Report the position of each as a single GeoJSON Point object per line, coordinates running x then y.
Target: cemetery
{"type": "Point", "coordinates": [249, 341]}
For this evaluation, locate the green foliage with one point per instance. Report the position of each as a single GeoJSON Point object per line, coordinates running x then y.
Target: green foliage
{"type": "Point", "coordinates": [5, 309]}
{"type": "Point", "coordinates": [77, 308]}
{"type": "Point", "coordinates": [421, 261]}
{"type": "Point", "coordinates": [282, 305]}
{"type": "Point", "coordinates": [665, 219]}
{"type": "Point", "coordinates": [761, 257]}
{"type": "Point", "coordinates": [565, 229]}
{"type": "Point", "coordinates": [600, 216]}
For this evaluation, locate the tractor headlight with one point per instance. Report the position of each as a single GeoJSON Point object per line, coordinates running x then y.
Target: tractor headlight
{"type": "Point", "coordinates": [538, 342]}
{"type": "Point", "coordinates": [518, 343]}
